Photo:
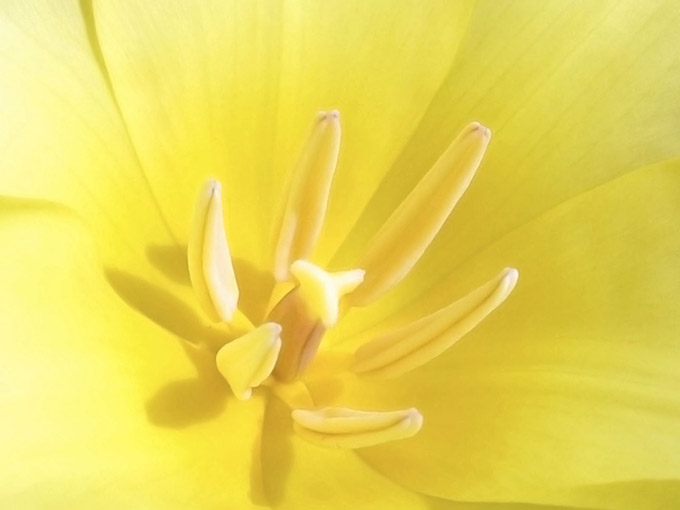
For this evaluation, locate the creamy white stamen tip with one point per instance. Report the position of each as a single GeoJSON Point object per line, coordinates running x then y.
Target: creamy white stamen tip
{"type": "Point", "coordinates": [477, 127]}
{"type": "Point", "coordinates": [510, 279]}
{"type": "Point", "coordinates": [350, 428]}
{"type": "Point", "coordinates": [247, 361]}
{"type": "Point", "coordinates": [335, 114]}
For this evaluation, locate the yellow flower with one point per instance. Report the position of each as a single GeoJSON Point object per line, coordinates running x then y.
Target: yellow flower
{"type": "Point", "coordinates": [114, 114]}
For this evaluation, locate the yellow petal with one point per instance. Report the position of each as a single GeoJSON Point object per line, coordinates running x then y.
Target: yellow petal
{"type": "Point", "coordinates": [247, 361]}
{"type": "Point", "coordinates": [61, 134]}
{"type": "Point", "coordinates": [226, 89]}
{"type": "Point", "coordinates": [573, 383]}
{"type": "Point", "coordinates": [210, 267]}
{"type": "Point", "coordinates": [575, 95]}
{"type": "Point", "coordinates": [95, 396]}
{"type": "Point", "coordinates": [298, 474]}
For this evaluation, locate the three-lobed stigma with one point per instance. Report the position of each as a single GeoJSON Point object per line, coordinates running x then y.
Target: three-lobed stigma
{"type": "Point", "coordinates": [277, 352]}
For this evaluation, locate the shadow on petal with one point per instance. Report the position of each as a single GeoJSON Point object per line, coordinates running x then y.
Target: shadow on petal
{"type": "Point", "coordinates": [445, 504]}
{"type": "Point", "coordinates": [273, 456]}
{"type": "Point", "coordinates": [255, 287]}
{"type": "Point", "coordinates": [171, 260]}
{"type": "Point", "coordinates": [16, 205]}
{"type": "Point", "coordinates": [630, 494]}
{"type": "Point", "coordinates": [182, 403]}
{"type": "Point", "coordinates": [185, 402]}
{"type": "Point", "coordinates": [164, 309]}
{"type": "Point", "coordinates": [179, 404]}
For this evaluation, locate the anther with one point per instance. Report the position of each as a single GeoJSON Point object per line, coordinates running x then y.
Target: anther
{"type": "Point", "coordinates": [305, 208]}
{"type": "Point", "coordinates": [210, 267]}
{"type": "Point", "coordinates": [349, 428]}
{"type": "Point", "coordinates": [409, 347]}
{"type": "Point", "coordinates": [247, 361]}
{"type": "Point", "coordinates": [408, 232]}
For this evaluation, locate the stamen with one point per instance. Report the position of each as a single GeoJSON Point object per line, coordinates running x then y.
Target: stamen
{"type": "Point", "coordinates": [247, 361]}
{"type": "Point", "coordinates": [348, 428]}
{"type": "Point", "coordinates": [306, 206]}
{"type": "Point", "coordinates": [210, 267]}
{"type": "Point", "coordinates": [409, 347]}
{"type": "Point", "coordinates": [408, 232]}
{"type": "Point", "coordinates": [321, 291]}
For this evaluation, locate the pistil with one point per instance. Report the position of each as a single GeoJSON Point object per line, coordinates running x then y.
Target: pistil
{"type": "Point", "coordinates": [302, 332]}
{"type": "Point", "coordinates": [321, 290]}
{"type": "Point", "coordinates": [306, 312]}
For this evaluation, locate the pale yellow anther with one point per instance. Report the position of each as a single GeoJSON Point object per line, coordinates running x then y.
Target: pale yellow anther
{"type": "Point", "coordinates": [408, 232]}
{"type": "Point", "coordinates": [321, 291]}
{"type": "Point", "coordinates": [409, 347]}
{"type": "Point", "coordinates": [306, 203]}
{"type": "Point", "coordinates": [247, 361]}
{"type": "Point", "coordinates": [210, 267]}
{"type": "Point", "coordinates": [348, 428]}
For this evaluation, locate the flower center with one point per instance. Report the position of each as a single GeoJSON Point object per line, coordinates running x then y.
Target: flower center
{"type": "Point", "coordinates": [277, 352]}
{"type": "Point", "coordinates": [307, 311]}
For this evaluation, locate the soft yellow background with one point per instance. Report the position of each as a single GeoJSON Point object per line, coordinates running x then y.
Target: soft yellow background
{"type": "Point", "coordinates": [113, 113]}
